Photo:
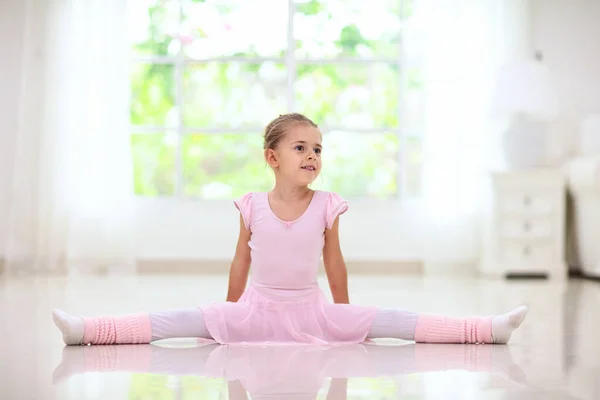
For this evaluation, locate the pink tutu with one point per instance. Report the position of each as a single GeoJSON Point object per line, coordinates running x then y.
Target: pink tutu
{"type": "Point", "coordinates": [256, 319]}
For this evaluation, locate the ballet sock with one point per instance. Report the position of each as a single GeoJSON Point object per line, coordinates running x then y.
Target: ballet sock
{"type": "Point", "coordinates": [72, 327]}
{"type": "Point", "coordinates": [504, 325]}
{"type": "Point", "coordinates": [126, 329]}
{"type": "Point", "coordinates": [393, 323]}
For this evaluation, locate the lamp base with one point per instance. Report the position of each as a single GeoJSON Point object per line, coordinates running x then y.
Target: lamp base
{"type": "Point", "coordinates": [524, 144]}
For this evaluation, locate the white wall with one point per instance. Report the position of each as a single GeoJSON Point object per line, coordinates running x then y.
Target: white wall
{"type": "Point", "coordinates": [192, 230]}
{"type": "Point", "coordinates": [567, 32]}
{"type": "Point", "coordinates": [11, 27]}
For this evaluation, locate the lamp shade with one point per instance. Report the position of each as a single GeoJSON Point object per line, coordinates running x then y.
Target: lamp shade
{"type": "Point", "coordinates": [525, 87]}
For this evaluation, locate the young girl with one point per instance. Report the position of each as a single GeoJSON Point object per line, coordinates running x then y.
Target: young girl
{"type": "Point", "coordinates": [283, 234]}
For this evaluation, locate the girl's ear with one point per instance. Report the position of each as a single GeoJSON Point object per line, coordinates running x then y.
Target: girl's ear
{"type": "Point", "coordinates": [271, 157]}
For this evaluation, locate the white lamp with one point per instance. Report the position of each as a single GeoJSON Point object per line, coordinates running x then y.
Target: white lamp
{"type": "Point", "coordinates": [526, 96]}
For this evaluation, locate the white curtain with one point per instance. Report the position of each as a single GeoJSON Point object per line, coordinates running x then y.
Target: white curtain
{"type": "Point", "coordinates": [461, 45]}
{"type": "Point", "coordinates": [71, 202]}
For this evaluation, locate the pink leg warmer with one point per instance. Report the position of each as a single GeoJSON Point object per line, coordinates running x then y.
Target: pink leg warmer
{"type": "Point", "coordinates": [440, 329]}
{"type": "Point", "coordinates": [126, 329]}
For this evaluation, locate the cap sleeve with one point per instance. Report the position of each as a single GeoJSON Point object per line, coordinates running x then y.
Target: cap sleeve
{"type": "Point", "coordinates": [244, 205]}
{"type": "Point", "coordinates": [336, 206]}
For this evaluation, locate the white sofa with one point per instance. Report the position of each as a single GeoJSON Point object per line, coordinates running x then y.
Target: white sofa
{"type": "Point", "coordinates": [583, 180]}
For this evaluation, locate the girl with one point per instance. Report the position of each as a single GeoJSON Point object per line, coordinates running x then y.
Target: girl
{"type": "Point", "coordinates": [283, 234]}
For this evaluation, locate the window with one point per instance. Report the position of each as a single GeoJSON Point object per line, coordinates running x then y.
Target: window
{"type": "Point", "coordinates": [209, 75]}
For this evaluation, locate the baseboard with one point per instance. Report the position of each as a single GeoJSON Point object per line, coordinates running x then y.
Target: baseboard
{"type": "Point", "coordinates": [450, 268]}
{"type": "Point", "coordinates": [220, 267]}
{"type": "Point", "coordinates": [576, 274]}
{"type": "Point", "coordinates": [526, 276]}
{"type": "Point", "coordinates": [185, 267]}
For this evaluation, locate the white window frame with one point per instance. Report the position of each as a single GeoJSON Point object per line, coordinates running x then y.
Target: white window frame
{"type": "Point", "coordinates": [291, 62]}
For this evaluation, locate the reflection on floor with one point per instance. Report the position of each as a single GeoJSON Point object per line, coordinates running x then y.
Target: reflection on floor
{"type": "Point", "coordinates": [554, 355]}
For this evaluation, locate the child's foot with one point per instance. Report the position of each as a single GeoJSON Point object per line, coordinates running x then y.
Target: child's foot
{"type": "Point", "coordinates": [504, 325]}
{"type": "Point", "coordinates": [70, 326]}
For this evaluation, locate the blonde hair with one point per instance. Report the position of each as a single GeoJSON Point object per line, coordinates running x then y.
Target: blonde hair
{"type": "Point", "coordinates": [277, 128]}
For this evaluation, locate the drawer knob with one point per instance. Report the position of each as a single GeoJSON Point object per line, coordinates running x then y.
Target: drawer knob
{"type": "Point", "coordinates": [527, 201]}
{"type": "Point", "coordinates": [526, 250]}
{"type": "Point", "coordinates": [527, 226]}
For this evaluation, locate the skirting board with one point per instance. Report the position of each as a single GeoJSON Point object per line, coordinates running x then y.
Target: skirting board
{"type": "Point", "coordinates": [217, 267]}
{"type": "Point", "coordinates": [362, 267]}
{"type": "Point", "coordinates": [581, 275]}
{"type": "Point", "coordinates": [162, 267]}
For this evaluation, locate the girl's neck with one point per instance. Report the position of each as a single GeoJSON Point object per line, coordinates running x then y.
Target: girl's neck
{"type": "Point", "coordinates": [290, 193]}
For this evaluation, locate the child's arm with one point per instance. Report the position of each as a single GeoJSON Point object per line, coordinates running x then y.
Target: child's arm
{"type": "Point", "coordinates": [335, 267]}
{"type": "Point", "coordinates": [240, 266]}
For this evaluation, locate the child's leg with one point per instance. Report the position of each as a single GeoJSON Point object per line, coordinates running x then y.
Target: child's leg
{"type": "Point", "coordinates": [178, 323]}
{"type": "Point", "coordinates": [431, 328]}
{"type": "Point", "coordinates": [131, 329]}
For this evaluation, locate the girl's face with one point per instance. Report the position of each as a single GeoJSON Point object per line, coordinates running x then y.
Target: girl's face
{"type": "Point", "coordinates": [297, 156]}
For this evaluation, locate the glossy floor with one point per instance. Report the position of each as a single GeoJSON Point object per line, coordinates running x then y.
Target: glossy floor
{"type": "Point", "coordinates": [554, 355]}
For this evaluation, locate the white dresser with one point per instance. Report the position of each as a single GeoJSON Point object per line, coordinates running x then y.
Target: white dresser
{"type": "Point", "coordinates": [525, 234]}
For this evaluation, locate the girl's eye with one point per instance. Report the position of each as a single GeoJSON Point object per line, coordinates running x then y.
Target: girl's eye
{"type": "Point", "coordinates": [299, 148]}
{"type": "Point", "coordinates": [317, 151]}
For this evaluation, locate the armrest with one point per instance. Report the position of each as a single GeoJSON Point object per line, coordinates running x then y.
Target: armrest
{"type": "Point", "coordinates": [583, 174]}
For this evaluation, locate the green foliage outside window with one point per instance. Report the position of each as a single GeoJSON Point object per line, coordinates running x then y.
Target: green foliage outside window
{"type": "Point", "coordinates": [175, 141]}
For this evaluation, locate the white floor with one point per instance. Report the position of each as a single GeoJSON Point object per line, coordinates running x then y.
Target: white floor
{"type": "Point", "coordinates": [554, 355]}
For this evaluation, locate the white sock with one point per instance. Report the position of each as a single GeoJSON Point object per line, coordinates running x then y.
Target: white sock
{"type": "Point", "coordinates": [70, 326]}
{"type": "Point", "coordinates": [504, 325]}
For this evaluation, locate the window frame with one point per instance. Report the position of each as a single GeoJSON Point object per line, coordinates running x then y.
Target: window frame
{"type": "Point", "coordinates": [291, 63]}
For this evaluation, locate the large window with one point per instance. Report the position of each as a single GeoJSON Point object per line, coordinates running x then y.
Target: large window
{"type": "Point", "coordinates": [209, 75]}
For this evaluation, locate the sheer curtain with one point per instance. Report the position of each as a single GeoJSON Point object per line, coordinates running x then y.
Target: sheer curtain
{"type": "Point", "coordinates": [71, 203]}
{"type": "Point", "coordinates": [462, 45]}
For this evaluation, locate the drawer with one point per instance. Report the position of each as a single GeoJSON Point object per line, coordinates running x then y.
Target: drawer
{"type": "Point", "coordinates": [524, 252]}
{"type": "Point", "coordinates": [524, 202]}
{"type": "Point", "coordinates": [533, 227]}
